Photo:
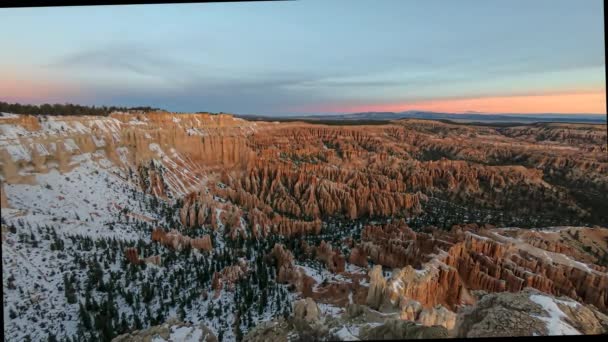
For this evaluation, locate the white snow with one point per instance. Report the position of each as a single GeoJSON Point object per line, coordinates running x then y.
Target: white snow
{"type": "Point", "coordinates": [555, 323]}
{"type": "Point", "coordinates": [567, 303]}
{"type": "Point", "coordinates": [99, 142]}
{"type": "Point", "coordinates": [478, 237]}
{"type": "Point", "coordinates": [330, 310]}
{"type": "Point", "coordinates": [397, 285]}
{"type": "Point", "coordinates": [18, 152]}
{"type": "Point", "coordinates": [318, 275]}
{"type": "Point", "coordinates": [87, 197]}
{"type": "Point", "coordinates": [136, 122]}
{"type": "Point", "coordinates": [70, 145]}
{"type": "Point", "coordinates": [8, 116]}
{"type": "Point", "coordinates": [156, 148]}
{"type": "Point", "coordinates": [351, 268]}
{"type": "Point", "coordinates": [123, 154]}
{"type": "Point", "coordinates": [182, 334]}
{"type": "Point", "coordinates": [12, 131]}
{"type": "Point", "coordinates": [345, 334]}
{"type": "Point", "coordinates": [350, 332]}
{"type": "Point", "coordinates": [41, 149]}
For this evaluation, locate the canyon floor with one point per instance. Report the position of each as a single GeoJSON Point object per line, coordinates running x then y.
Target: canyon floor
{"type": "Point", "coordinates": [190, 227]}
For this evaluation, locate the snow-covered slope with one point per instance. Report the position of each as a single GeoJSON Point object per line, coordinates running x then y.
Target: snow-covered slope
{"type": "Point", "coordinates": [76, 198]}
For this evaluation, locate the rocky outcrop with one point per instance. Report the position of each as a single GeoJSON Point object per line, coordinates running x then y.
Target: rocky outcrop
{"type": "Point", "coordinates": [333, 260]}
{"type": "Point", "coordinates": [450, 264]}
{"type": "Point", "coordinates": [358, 257]}
{"type": "Point", "coordinates": [397, 294]}
{"type": "Point", "coordinates": [377, 286]}
{"type": "Point", "coordinates": [153, 259]}
{"type": "Point", "coordinates": [396, 329]}
{"type": "Point", "coordinates": [276, 330]}
{"type": "Point", "coordinates": [577, 135]}
{"type": "Point", "coordinates": [306, 309]}
{"type": "Point", "coordinates": [186, 146]}
{"type": "Point", "coordinates": [358, 322]}
{"type": "Point", "coordinates": [526, 313]}
{"type": "Point", "coordinates": [203, 243]}
{"type": "Point", "coordinates": [439, 315]}
{"type": "Point", "coordinates": [132, 256]}
{"type": "Point", "coordinates": [3, 199]}
{"type": "Point", "coordinates": [216, 283]}
{"type": "Point", "coordinates": [172, 331]}
{"type": "Point", "coordinates": [228, 277]}
{"type": "Point", "coordinates": [175, 240]}
{"type": "Point", "coordinates": [288, 273]}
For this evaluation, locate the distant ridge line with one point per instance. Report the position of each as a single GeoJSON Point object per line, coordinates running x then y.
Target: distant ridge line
{"type": "Point", "coordinates": [470, 117]}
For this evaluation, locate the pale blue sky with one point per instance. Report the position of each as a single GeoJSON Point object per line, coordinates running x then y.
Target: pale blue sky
{"type": "Point", "coordinates": [276, 57]}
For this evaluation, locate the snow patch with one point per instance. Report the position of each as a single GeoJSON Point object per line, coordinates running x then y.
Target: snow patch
{"type": "Point", "coordinates": [8, 116]}
{"type": "Point", "coordinates": [555, 323]}
{"type": "Point", "coordinates": [18, 152]}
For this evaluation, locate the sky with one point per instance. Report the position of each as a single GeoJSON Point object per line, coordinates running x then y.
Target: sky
{"type": "Point", "coordinates": [311, 56]}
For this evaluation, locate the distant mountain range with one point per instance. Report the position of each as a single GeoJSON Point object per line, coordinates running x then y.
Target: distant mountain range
{"type": "Point", "coordinates": [463, 117]}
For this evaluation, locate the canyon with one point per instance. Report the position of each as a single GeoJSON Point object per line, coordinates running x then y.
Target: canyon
{"type": "Point", "coordinates": [411, 228]}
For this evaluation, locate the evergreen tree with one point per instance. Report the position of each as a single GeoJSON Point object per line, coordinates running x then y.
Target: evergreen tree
{"type": "Point", "coordinates": [52, 338]}
{"type": "Point", "coordinates": [124, 325]}
{"type": "Point", "coordinates": [69, 291]}
{"type": "Point", "coordinates": [85, 319]}
{"type": "Point", "coordinates": [137, 322]}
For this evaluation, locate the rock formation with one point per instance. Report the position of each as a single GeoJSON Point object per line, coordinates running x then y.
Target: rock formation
{"type": "Point", "coordinates": [306, 309]}
{"type": "Point", "coordinates": [288, 273]}
{"type": "Point", "coordinates": [526, 313]}
{"type": "Point", "coordinates": [172, 331]}
{"type": "Point", "coordinates": [358, 257]}
{"type": "Point", "coordinates": [450, 264]}
{"type": "Point", "coordinates": [377, 286]}
{"type": "Point", "coordinates": [334, 261]}
{"type": "Point", "coordinates": [286, 178]}
{"type": "Point", "coordinates": [153, 259]}
{"type": "Point", "coordinates": [358, 322]}
{"type": "Point", "coordinates": [3, 199]}
{"type": "Point", "coordinates": [255, 180]}
{"type": "Point", "coordinates": [132, 256]}
{"type": "Point", "coordinates": [396, 329]}
{"type": "Point", "coordinates": [175, 240]}
{"type": "Point", "coordinates": [228, 276]}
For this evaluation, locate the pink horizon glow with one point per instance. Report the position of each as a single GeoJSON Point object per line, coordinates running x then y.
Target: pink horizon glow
{"type": "Point", "coordinates": [36, 91]}
{"type": "Point", "coordinates": [592, 102]}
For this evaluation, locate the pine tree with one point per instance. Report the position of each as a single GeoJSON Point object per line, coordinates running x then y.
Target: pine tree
{"type": "Point", "coordinates": [52, 338]}
{"type": "Point", "coordinates": [209, 313]}
{"type": "Point", "coordinates": [124, 325]}
{"type": "Point", "coordinates": [69, 291]}
{"type": "Point", "coordinates": [237, 329]}
{"type": "Point", "coordinates": [85, 319]}
{"type": "Point", "coordinates": [181, 312]}
{"type": "Point", "coordinates": [137, 322]}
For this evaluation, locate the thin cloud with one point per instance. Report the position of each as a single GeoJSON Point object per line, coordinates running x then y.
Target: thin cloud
{"type": "Point", "coordinates": [135, 59]}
